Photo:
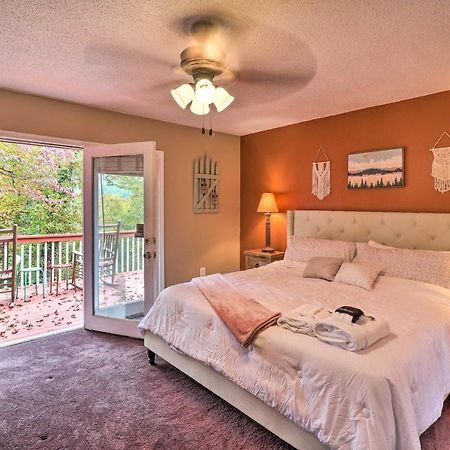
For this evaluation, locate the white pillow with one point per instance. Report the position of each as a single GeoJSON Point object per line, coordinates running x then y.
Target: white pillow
{"type": "Point", "coordinates": [427, 266]}
{"type": "Point", "coordinates": [378, 245]}
{"type": "Point", "coordinates": [360, 275]}
{"type": "Point", "coordinates": [302, 249]}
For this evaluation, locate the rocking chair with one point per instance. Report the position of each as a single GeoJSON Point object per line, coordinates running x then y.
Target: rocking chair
{"type": "Point", "coordinates": [107, 254]}
{"type": "Point", "coordinates": [8, 262]}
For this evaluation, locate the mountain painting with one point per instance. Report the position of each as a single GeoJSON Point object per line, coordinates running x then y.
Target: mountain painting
{"type": "Point", "coordinates": [376, 169]}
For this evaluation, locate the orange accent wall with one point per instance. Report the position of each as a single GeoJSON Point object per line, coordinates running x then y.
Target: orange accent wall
{"type": "Point", "coordinates": [280, 161]}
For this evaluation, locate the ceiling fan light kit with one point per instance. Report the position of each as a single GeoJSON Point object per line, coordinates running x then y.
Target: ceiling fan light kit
{"type": "Point", "coordinates": [203, 62]}
{"type": "Point", "coordinates": [205, 94]}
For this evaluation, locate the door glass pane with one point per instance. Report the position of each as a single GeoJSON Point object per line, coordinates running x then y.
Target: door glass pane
{"type": "Point", "coordinates": [118, 243]}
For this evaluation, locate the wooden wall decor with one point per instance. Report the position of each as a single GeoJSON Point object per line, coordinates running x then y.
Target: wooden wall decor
{"type": "Point", "coordinates": [206, 179]}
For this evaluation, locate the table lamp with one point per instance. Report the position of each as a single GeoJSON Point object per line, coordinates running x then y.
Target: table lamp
{"type": "Point", "coordinates": [267, 205]}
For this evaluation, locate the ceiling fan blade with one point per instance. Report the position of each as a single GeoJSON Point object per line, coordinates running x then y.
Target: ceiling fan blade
{"type": "Point", "coordinates": [101, 54]}
{"type": "Point", "coordinates": [227, 77]}
{"type": "Point", "coordinates": [165, 85]}
{"type": "Point", "coordinates": [257, 87]}
{"type": "Point", "coordinates": [268, 78]}
{"type": "Point", "coordinates": [111, 61]}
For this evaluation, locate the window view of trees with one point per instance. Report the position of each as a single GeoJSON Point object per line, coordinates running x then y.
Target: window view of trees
{"type": "Point", "coordinates": [40, 188]}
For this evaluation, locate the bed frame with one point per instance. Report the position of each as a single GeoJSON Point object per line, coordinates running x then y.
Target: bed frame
{"type": "Point", "coordinates": [429, 231]}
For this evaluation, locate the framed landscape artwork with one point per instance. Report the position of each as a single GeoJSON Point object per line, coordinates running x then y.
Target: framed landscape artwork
{"type": "Point", "coordinates": [376, 169]}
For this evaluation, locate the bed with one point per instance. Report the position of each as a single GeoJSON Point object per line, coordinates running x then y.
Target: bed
{"type": "Point", "coordinates": [310, 394]}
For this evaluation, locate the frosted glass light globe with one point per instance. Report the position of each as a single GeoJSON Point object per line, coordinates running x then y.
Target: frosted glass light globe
{"type": "Point", "coordinates": [183, 95]}
{"type": "Point", "coordinates": [222, 99]}
{"type": "Point", "coordinates": [205, 92]}
{"type": "Point", "coordinates": [199, 108]}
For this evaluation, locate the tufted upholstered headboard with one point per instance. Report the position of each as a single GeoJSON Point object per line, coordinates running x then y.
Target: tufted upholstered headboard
{"type": "Point", "coordinates": [429, 231]}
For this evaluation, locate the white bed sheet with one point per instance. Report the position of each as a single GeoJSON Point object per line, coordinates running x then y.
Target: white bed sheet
{"type": "Point", "coordinates": [380, 398]}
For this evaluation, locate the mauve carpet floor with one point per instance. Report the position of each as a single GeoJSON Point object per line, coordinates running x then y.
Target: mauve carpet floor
{"type": "Point", "coordinates": [85, 390]}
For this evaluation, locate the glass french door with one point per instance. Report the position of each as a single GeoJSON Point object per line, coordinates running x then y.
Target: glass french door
{"type": "Point", "coordinates": [120, 236]}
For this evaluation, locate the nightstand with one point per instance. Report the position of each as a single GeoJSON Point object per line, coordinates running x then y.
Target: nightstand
{"type": "Point", "coordinates": [258, 258]}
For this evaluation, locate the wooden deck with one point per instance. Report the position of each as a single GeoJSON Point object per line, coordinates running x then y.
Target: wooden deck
{"type": "Point", "coordinates": [41, 315]}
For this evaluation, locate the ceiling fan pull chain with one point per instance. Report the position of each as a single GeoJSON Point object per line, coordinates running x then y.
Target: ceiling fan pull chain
{"type": "Point", "coordinates": [210, 123]}
{"type": "Point", "coordinates": [203, 125]}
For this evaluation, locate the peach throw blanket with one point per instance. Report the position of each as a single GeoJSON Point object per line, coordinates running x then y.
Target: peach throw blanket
{"type": "Point", "coordinates": [243, 316]}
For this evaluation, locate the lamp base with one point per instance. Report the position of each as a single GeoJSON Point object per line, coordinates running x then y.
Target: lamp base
{"type": "Point", "coordinates": [267, 250]}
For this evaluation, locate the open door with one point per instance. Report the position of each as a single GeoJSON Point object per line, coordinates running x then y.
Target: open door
{"type": "Point", "coordinates": [120, 258]}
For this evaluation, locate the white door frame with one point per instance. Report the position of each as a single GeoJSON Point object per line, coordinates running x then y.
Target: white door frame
{"type": "Point", "coordinates": [160, 284]}
{"type": "Point", "coordinates": [151, 200]}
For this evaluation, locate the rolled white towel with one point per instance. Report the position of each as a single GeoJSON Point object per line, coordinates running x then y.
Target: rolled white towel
{"type": "Point", "coordinates": [339, 331]}
{"type": "Point", "coordinates": [303, 318]}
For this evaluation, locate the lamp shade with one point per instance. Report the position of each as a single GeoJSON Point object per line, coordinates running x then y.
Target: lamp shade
{"type": "Point", "coordinates": [267, 203]}
{"type": "Point", "coordinates": [183, 95]}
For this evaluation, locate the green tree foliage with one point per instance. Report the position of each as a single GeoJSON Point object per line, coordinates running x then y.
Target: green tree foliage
{"type": "Point", "coordinates": [40, 191]}
{"type": "Point", "coordinates": [40, 188]}
{"type": "Point", "coordinates": [123, 200]}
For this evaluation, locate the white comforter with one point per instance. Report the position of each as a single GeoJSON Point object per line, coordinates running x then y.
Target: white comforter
{"type": "Point", "coordinates": [380, 398]}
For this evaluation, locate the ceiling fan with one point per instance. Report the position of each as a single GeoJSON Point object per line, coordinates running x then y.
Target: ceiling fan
{"type": "Point", "coordinates": [215, 40]}
{"type": "Point", "coordinates": [203, 61]}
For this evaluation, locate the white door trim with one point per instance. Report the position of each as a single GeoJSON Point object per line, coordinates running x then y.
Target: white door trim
{"type": "Point", "coordinates": [160, 220]}
{"type": "Point", "coordinates": [110, 324]}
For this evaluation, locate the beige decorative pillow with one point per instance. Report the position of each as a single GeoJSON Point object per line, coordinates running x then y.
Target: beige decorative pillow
{"type": "Point", "coordinates": [303, 249]}
{"type": "Point", "coordinates": [427, 266]}
{"type": "Point", "coordinates": [360, 275]}
{"type": "Point", "coordinates": [322, 267]}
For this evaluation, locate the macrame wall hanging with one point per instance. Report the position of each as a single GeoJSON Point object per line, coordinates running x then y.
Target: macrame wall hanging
{"type": "Point", "coordinates": [321, 176]}
{"type": "Point", "coordinates": [440, 169]}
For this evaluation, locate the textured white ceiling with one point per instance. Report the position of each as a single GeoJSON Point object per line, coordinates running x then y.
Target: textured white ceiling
{"type": "Point", "coordinates": [332, 55]}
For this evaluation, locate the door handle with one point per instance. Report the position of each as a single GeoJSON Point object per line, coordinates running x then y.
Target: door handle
{"type": "Point", "coordinates": [147, 255]}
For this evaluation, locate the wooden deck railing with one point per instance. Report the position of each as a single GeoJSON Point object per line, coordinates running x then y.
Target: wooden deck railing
{"type": "Point", "coordinates": [46, 250]}
{"type": "Point", "coordinates": [41, 238]}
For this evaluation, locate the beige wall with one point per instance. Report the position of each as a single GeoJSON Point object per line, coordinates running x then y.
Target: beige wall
{"type": "Point", "coordinates": [191, 240]}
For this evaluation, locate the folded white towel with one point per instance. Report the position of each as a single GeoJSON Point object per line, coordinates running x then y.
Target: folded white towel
{"type": "Point", "coordinates": [343, 317]}
{"type": "Point", "coordinates": [303, 318]}
{"type": "Point", "coordinates": [337, 330]}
